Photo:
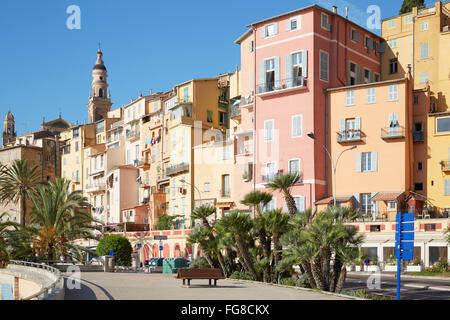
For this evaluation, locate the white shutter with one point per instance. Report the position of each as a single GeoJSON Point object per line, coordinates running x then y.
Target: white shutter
{"type": "Point", "coordinates": [374, 161]}
{"type": "Point", "coordinates": [277, 71]}
{"type": "Point", "coordinates": [358, 162]}
{"type": "Point", "coordinates": [289, 80]}
{"type": "Point", "coordinates": [305, 63]}
{"type": "Point", "coordinates": [447, 187]}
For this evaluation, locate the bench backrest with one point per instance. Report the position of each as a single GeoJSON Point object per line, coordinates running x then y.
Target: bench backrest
{"type": "Point", "coordinates": [193, 272]}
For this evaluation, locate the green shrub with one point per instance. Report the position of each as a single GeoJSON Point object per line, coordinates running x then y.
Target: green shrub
{"type": "Point", "coordinates": [200, 263]}
{"type": "Point", "coordinates": [303, 281]}
{"type": "Point", "coordinates": [165, 222]}
{"type": "Point", "coordinates": [238, 275]}
{"type": "Point", "coordinates": [121, 247]}
{"type": "Point", "coordinates": [288, 282]}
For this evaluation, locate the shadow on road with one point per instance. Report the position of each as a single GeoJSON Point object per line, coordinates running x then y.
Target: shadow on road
{"type": "Point", "coordinates": [85, 292]}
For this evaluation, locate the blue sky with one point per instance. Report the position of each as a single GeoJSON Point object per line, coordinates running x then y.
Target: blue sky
{"type": "Point", "coordinates": [45, 68]}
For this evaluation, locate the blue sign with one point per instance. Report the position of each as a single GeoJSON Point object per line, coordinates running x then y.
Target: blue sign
{"type": "Point", "coordinates": [139, 245]}
{"type": "Point", "coordinates": [404, 242]}
{"type": "Point", "coordinates": [111, 253]}
{"type": "Point", "coordinates": [160, 248]}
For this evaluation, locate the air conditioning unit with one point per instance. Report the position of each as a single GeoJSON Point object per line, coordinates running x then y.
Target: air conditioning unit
{"type": "Point", "coordinates": [446, 29]}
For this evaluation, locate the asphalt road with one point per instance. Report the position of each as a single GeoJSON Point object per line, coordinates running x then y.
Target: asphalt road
{"type": "Point", "coordinates": [412, 289]}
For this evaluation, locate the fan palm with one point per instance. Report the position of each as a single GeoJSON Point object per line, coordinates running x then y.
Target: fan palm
{"type": "Point", "coordinates": [200, 235]}
{"type": "Point", "coordinates": [58, 218]}
{"type": "Point", "coordinates": [18, 181]}
{"type": "Point", "coordinates": [240, 225]}
{"type": "Point", "coordinates": [284, 184]}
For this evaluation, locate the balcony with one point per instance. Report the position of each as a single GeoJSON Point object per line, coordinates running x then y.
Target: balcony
{"type": "Point", "coordinates": [445, 166]}
{"type": "Point", "coordinates": [143, 163]}
{"type": "Point", "coordinates": [96, 187]}
{"type": "Point", "coordinates": [133, 134]}
{"type": "Point", "coordinates": [418, 136]}
{"type": "Point", "coordinates": [162, 176]}
{"type": "Point", "coordinates": [284, 84]}
{"type": "Point", "coordinates": [225, 193]}
{"type": "Point", "coordinates": [65, 149]}
{"type": "Point", "coordinates": [393, 132]}
{"type": "Point", "coordinates": [183, 101]}
{"type": "Point", "coordinates": [176, 169]}
{"type": "Point", "coordinates": [352, 135]}
{"type": "Point", "coordinates": [247, 100]}
{"type": "Point", "coordinates": [266, 178]}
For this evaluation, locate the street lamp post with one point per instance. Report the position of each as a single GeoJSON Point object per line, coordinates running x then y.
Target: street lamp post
{"type": "Point", "coordinates": [334, 165]}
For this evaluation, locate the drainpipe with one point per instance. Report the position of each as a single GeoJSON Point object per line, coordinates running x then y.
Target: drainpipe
{"type": "Point", "coordinates": [254, 109]}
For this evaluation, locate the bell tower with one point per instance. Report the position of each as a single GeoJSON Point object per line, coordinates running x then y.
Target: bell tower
{"type": "Point", "coordinates": [99, 97]}
{"type": "Point", "coordinates": [9, 132]}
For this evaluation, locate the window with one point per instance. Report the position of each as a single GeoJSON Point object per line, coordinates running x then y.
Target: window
{"type": "Point", "coordinates": [268, 130]}
{"type": "Point", "coordinates": [367, 76]}
{"type": "Point", "coordinates": [393, 43]}
{"type": "Point", "coordinates": [294, 166]}
{"type": "Point", "coordinates": [270, 30]}
{"type": "Point", "coordinates": [77, 160]}
{"type": "Point", "coordinates": [416, 100]}
{"type": "Point", "coordinates": [442, 124]}
{"type": "Point", "coordinates": [354, 35]}
{"type": "Point", "coordinates": [324, 66]}
{"type": "Point", "coordinates": [430, 227]}
{"type": "Point", "coordinates": [223, 118]}
{"type": "Point", "coordinates": [272, 205]}
{"type": "Point", "coordinates": [371, 95]}
{"type": "Point", "coordinates": [447, 187]}
{"type": "Point", "coordinates": [226, 153]}
{"type": "Point", "coordinates": [350, 98]}
{"type": "Point", "coordinates": [424, 77]}
{"type": "Point", "coordinates": [393, 92]}
{"type": "Point", "coordinates": [408, 19]}
{"type": "Point", "coordinates": [209, 116]}
{"type": "Point", "coordinates": [391, 24]}
{"type": "Point", "coordinates": [365, 203]}
{"type": "Point", "coordinates": [76, 132]}
{"type": "Point", "coordinates": [299, 68]}
{"type": "Point", "coordinates": [206, 187]}
{"type": "Point", "coordinates": [392, 205]}
{"type": "Point", "coordinates": [226, 185]}
{"type": "Point", "coordinates": [377, 77]}
{"type": "Point", "coordinates": [418, 187]}
{"type": "Point", "coordinates": [294, 23]}
{"type": "Point", "coordinates": [353, 74]}
{"type": "Point", "coordinates": [270, 74]}
{"type": "Point", "coordinates": [297, 126]}
{"type": "Point", "coordinates": [419, 166]}
{"type": "Point", "coordinates": [366, 162]}
{"type": "Point", "coordinates": [424, 26]}
{"type": "Point", "coordinates": [299, 204]}
{"type": "Point", "coordinates": [393, 66]}
{"type": "Point", "coordinates": [375, 228]}
{"type": "Point", "coordinates": [424, 54]}
{"type": "Point", "coordinates": [251, 46]}
{"type": "Point", "coordinates": [325, 24]}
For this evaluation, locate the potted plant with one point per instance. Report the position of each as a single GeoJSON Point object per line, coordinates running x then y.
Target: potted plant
{"type": "Point", "coordinates": [373, 265]}
{"type": "Point", "coordinates": [391, 264]}
{"type": "Point", "coordinates": [245, 176]}
{"type": "Point", "coordinates": [415, 266]}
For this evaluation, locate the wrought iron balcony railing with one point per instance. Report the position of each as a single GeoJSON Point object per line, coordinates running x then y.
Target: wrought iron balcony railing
{"type": "Point", "coordinates": [281, 84]}
{"type": "Point", "coordinates": [235, 112]}
{"type": "Point", "coordinates": [349, 136]}
{"type": "Point", "coordinates": [268, 177]}
{"type": "Point", "coordinates": [418, 136]}
{"type": "Point", "coordinates": [176, 169]}
{"type": "Point", "coordinates": [393, 132]}
{"type": "Point", "coordinates": [445, 165]}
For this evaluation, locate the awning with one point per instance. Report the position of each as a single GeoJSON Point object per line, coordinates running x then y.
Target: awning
{"type": "Point", "coordinates": [387, 196]}
{"type": "Point", "coordinates": [224, 204]}
{"type": "Point", "coordinates": [237, 102]}
{"type": "Point", "coordinates": [329, 200]}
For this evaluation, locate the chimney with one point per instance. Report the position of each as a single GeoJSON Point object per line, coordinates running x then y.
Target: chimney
{"type": "Point", "coordinates": [346, 12]}
{"type": "Point", "coordinates": [335, 9]}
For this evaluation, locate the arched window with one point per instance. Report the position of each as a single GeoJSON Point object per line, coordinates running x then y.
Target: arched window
{"type": "Point", "coordinates": [100, 93]}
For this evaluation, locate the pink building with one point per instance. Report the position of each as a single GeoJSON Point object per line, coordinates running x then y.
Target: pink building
{"type": "Point", "coordinates": [297, 55]}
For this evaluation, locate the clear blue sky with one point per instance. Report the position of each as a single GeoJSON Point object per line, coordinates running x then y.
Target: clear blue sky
{"type": "Point", "coordinates": [45, 68]}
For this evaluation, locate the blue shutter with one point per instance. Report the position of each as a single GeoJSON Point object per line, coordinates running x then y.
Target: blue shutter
{"type": "Point", "coordinates": [289, 76]}
{"type": "Point", "coordinates": [277, 71]}
{"type": "Point", "coordinates": [358, 162]}
{"type": "Point", "coordinates": [374, 161]}
{"type": "Point", "coordinates": [356, 200]}
{"type": "Point", "coordinates": [305, 63]}
{"type": "Point", "coordinates": [262, 74]}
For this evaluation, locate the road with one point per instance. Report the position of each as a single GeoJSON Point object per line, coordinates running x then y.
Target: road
{"type": "Point", "coordinates": [412, 288]}
{"type": "Point", "coordinates": [145, 286]}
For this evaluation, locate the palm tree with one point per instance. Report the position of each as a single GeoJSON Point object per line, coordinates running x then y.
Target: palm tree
{"type": "Point", "coordinates": [284, 184]}
{"type": "Point", "coordinates": [18, 182]}
{"type": "Point", "coordinates": [200, 235]}
{"type": "Point", "coordinates": [58, 219]}
{"type": "Point", "coordinates": [240, 225]}
{"type": "Point", "coordinates": [276, 223]}
{"type": "Point", "coordinates": [346, 255]}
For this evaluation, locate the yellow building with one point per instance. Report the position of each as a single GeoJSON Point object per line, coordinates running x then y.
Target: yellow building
{"type": "Point", "coordinates": [422, 39]}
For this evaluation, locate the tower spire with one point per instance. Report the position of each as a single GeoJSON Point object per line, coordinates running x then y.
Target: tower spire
{"type": "Point", "coordinates": [100, 101]}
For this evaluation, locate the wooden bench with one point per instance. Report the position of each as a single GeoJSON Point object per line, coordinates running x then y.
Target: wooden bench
{"type": "Point", "coordinates": [197, 274]}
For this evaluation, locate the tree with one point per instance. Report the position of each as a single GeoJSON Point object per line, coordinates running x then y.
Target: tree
{"type": "Point", "coordinates": [165, 222]}
{"type": "Point", "coordinates": [57, 219]}
{"type": "Point", "coordinates": [408, 5]}
{"type": "Point", "coordinates": [18, 182]}
{"type": "Point", "coordinates": [120, 246]}
{"type": "Point", "coordinates": [284, 184]}
{"type": "Point", "coordinates": [240, 225]}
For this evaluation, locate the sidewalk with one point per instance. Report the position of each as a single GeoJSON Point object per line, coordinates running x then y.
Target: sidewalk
{"type": "Point", "coordinates": [404, 275]}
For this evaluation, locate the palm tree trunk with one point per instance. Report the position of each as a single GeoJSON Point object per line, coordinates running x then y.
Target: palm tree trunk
{"type": "Point", "coordinates": [337, 266]}
{"type": "Point", "coordinates": [290, 202]}
{"type": "Point", "coordinates": [247, 257]}
{"type": "Point", "coordinates": [325, 262]}
{"type": "Point", "coordinates": [307, 267]}
{"type": "Point", "coordinates": [317, 273]}
{"type": "Point", "coordinates": [340, 283]}
{"type": "Point", "coordinates": [210, 261]}
{"type": "Point", "coordinates": [23, 209]}
{"type": "Point", "coordinates": [222, 263]}
{"type": "Point", "coordinates": [276, 255]}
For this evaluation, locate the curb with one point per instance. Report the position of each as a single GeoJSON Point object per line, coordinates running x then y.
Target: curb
{"type": "Point", "coordinates": [404, 276]}
{"type": "Point", "coordinates": [298, 288]}
{"type": "Point", "coordinates": [417, 286]}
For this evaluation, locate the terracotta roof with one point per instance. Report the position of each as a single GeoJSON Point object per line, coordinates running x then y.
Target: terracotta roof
{"type": "Point", "coordinates": [384, 196]}
{"type": "Point", "coordinates": [330, 199]}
